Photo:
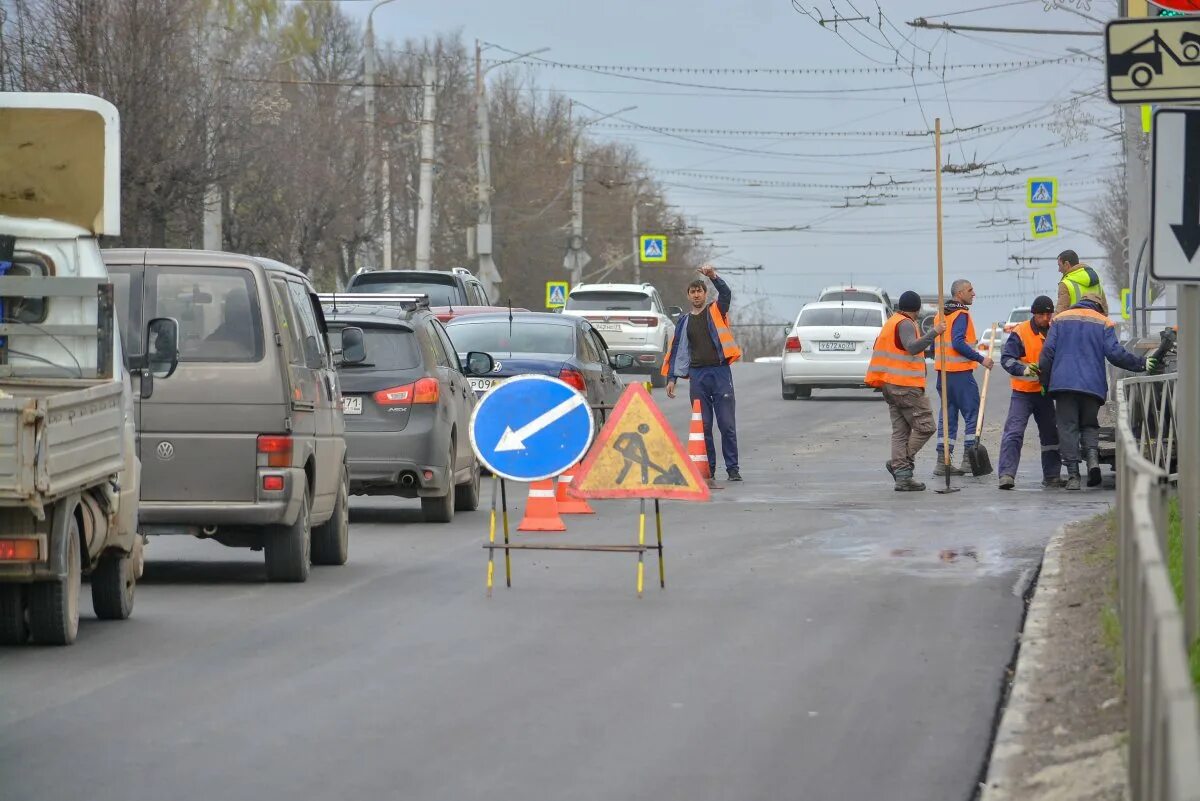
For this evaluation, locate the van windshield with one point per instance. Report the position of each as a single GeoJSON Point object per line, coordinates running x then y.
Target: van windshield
{"type": "Point", "coordinates": [217, 309]}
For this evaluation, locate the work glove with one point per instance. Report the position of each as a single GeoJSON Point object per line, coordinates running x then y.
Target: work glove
{"type": "Point", "coordinates": [1153, 365]}
{"type": "Point", "coordinates": [1031, 371]}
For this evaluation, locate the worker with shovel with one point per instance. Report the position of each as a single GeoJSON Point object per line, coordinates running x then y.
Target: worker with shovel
{"type": "Point", "coordinates": [1020, 360]}
{"type": "Point", "coordinates": [955, 352]}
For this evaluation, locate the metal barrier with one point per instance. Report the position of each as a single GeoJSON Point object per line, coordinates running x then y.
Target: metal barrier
{"type": "Point", "coordinates": [1164, 722]}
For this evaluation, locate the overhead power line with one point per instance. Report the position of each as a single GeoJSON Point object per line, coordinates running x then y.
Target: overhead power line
{"type": "Point", "coordinates": [832, 134]}
{"type": "Point", "coordinates": [921, 22]}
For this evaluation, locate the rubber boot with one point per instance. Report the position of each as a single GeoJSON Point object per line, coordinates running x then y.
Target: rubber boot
{"type": "Point", "coordinates": [906, 483]}
{"type": "Point", "coordinates": [1093, 466]}
{"type": "Point", "coordinates": [1072, 476]}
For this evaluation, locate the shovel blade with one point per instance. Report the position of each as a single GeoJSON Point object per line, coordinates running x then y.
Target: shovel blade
{"type": "Point", "coordinates": [979, 460]}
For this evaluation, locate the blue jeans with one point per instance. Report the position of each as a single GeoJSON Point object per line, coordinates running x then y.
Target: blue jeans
{"type": "Point", "coordinates": [1041, 407]}
{"type": "Point", "coordinates": [713, 387]}
{"type": "Point", "coordinates": [962, 398]}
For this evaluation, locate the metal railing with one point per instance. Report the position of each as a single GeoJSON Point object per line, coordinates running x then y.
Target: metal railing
{"type": "Point", "coordinates": [1164, 722]}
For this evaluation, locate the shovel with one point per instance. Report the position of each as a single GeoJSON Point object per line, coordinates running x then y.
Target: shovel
{"type": "Point", "coordinates": [977, 457]}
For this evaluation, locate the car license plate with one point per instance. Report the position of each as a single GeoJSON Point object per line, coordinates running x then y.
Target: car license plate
{"type": "Point", "coordinates": [483, 384]}
{"type": "Point", "coordinates": [607, 326]}
{"type": "Point", "coordinates": [351, 404]}
{"type": "Point", "coordinates": [850, 346]}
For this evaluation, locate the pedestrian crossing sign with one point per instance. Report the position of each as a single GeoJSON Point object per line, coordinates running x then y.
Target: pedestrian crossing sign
{"type": "Point", "coordinates": [653, 247]}
{"type": "Point", "coordinates": [1041, 193]}
{"type": "Point", "coordinates": [637, 455]}
{"type": "Point", "coordinates": [1042, 224]}
{"type": "Point", "coordinates": [556, 294]}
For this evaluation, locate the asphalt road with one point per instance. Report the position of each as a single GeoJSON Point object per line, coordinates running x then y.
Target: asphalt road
{"type": "Point", "coordinates": [821, 637]}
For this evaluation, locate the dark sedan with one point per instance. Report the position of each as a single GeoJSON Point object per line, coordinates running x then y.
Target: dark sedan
{"type": "Point", "coordinates": [567, 348]}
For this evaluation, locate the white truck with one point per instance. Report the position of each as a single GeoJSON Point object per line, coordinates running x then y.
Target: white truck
{"type": "Point", "coordinates": [69, 472]}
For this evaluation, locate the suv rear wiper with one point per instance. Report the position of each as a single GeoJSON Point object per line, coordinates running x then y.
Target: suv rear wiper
{"type": "Point", "coordinates": [359, 364]}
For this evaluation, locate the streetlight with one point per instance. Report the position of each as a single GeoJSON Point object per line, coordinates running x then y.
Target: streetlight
{"type": "Point", "coordinates": [372, 180]}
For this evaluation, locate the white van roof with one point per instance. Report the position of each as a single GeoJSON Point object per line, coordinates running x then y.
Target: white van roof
{"type": "Point", "coordinates": [60, 159]}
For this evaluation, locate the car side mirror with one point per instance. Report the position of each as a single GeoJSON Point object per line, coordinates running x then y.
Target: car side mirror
{"type": "Point", "coordinates": [620, 361]}
{"type": "Point", "coordinates": [479, 363]}
{"type": "Point", "coordinates": [354, 346]}
{"type": "Point", "coordinates": [674, 311]}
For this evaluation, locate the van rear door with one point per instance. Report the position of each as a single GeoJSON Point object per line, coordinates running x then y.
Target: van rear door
{"type": "Point", "coordinates": [199, 432]}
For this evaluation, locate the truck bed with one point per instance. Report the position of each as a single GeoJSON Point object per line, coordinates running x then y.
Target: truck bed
{"type": "Point", "coordinates": [58, 436]}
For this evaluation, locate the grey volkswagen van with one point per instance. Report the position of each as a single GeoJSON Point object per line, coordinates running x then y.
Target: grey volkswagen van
{"type": "Point", "coordinates": [244, 444]}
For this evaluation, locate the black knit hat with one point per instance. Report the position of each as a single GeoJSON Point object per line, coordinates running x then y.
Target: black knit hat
{"type": "Point", "coordinates": [1042, 305]}
{"type": "Point", "coordinates": [909, 302]}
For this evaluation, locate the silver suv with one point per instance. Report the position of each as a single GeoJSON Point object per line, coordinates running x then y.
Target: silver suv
{"type": "Point", "coordinates": [632, 320]}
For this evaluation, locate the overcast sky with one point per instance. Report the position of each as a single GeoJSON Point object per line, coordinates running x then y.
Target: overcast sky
{"type": "Point", "coordinates": [860, 121]}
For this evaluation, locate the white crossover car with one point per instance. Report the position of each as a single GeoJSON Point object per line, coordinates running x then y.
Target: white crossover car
{"type": "Point", "coordinates": [830, 347]}
{"type": "Point", "coordinates": [632, 320]}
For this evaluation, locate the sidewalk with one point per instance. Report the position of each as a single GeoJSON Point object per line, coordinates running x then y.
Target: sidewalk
{"type": "Point", "coordinates": [1062, 736]}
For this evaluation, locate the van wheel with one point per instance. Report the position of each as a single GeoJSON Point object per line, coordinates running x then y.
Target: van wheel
{"type": "Point", "coordinates": [13, 628]}
{"type": "Point", "coordinates": [54, 605]}
{"type": "Point", "coordinates": [287, 547]}
{"type": "Point", "coordinates": [466, 496]}
{"type": "Point", "coordinates": [331, 539]}
{"type": "Point", "coordinates": [441, 510]}
{"type": "Point", "coordinates": [113, 583]}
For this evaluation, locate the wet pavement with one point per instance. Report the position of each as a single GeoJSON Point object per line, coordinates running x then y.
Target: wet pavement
{"type": "Point", "coordinates": [821, 636]}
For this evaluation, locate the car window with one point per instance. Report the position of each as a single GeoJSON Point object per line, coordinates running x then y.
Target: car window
{"type": "Point", "coordinates": [387, 348]}
{"type": "Point", "coordinates": [310, 331]}
{"type": "Point", "coordinates": [590, 351]}
{"type": "Point", "coordinates": [289, 326]}
{"type": "Point", "coordinates": [444, 340]}
{"type": "Point", "coordinates": [484, 300]}
{"type": "Point", "coordinates": [435, 342]}
{"type": "Point", "coordinates": [127, 298]}
{"type": "Point", "coordinates": [841, 316]}
{"type": "Point", "coordinates": [598, 344]}
{"type": "Point", "coordinates": [609, 301]}
{"type": "Point", "coordinates": [217, 309]}
{"type": "Point", "coordinates": [522, 336]}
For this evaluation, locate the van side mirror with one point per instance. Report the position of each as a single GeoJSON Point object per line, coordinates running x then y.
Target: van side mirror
{"type": "Point", "coordinates": [479, 363]}
{"type": "Point", "coordinates": [354, 346]}
{"type": "Point", "coordinates": [162, 346]}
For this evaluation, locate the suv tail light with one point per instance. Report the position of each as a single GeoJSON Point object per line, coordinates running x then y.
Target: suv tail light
{"type": "Point", "coordinates": [792, 345]}
{"type": "Point", "coordinates": [573, 377]}
{"type": "Point", "coordinates": [652, 322]}
{"type": "Point", "coordinates": [426, 390]}
{"type": "Point", "coordinates": [277, 448]}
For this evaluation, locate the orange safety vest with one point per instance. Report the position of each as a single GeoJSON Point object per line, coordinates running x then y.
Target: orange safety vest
{"type": "Point", "coordinates": [1032, 341]}
{"type": "Point", "coordinates": [890, 363]}
{"type": "Point", "coordinates": [729, 348]}
{"type": "Point", "coordinates": [944, 348]}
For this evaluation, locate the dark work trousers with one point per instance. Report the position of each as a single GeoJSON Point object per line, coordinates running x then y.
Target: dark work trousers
{"type": "Point", "coordinates": [1020, 408]}
{"type": "Point", "coordinates": [963, 399]}
{"type": "Point", "coordinates": [713, 387]}
{"type": "Point", "coordinates": [1078, 424]}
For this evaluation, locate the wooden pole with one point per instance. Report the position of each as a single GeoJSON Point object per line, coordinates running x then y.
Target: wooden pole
{"type": "Point", "coordinates": [941, 283]}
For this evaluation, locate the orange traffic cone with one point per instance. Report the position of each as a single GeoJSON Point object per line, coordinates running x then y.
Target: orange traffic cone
{"type": "Point", "coordinates": [696, 450]}
{"type": "Point", "coordinates": [566, 504]}
{"type": "Point", "coordinates": [541, 511]}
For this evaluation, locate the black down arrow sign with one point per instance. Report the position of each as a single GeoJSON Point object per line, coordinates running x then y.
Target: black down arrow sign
{"type": "Point", "coordinates": [1188, 231]}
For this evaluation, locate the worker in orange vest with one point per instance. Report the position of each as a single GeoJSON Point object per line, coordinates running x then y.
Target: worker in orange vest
{"type": "Point", "coordinates": [1020, 359]}
{"type": "Point", "coordinates": [955, 347]}
{"type": "Point", "coordinates": [897, 369]}
{"type": "Point", "coordinates": [702, 350]}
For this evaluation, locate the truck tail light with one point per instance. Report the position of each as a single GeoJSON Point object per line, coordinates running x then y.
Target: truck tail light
{"type": "Point", "coordinates": [20, 550]}
{"type": "Point", "coordinates": [573, 377]}
{"type": "Point", "coordinates": [277, 448]}
{"type": "Point", "coordinates": [792, 345]}
{"type": "Point", "coordinates": [426, 390]}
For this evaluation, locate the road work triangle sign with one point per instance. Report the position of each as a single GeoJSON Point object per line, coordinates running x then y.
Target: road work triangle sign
{"type": "Point", "coordinates": [637, 455]}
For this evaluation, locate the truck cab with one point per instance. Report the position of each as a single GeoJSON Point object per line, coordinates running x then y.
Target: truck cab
{"type": "Point", "coordinates": [69, 472]}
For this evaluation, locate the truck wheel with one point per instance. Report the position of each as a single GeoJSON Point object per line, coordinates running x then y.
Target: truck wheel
{"type": "Point", "coordinates": [287, 548]}
{"type": "Point", "coordinates": [331, 539]}
{"type": "Point", "coordinates": [13, 629]}
{"type": "Point", "coordinates": [466, 496]}
{"type": "Point", "coordinates": [441, 510]}
{"type": "Point", "coordinates": [54, 605]}
{"type": "Point", "coordinates": [113, 583]}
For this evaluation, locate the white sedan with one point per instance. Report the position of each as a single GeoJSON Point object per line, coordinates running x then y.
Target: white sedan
{"type": "Point", "coordinates": [830, 347]}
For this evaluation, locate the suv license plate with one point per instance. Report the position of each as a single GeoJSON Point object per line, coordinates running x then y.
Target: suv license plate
{"type": "Point", "coordinates": [850, 346]}
{"type": "Point", "coordinates": [483, 384]}
{"type": "Point", "coordinates": [351, 404]}
{"type": "Point", "coordinates": [607, 326]}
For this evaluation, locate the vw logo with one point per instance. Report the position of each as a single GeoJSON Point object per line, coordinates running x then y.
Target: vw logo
{"type": "Point", "coordinates": [497, 367]}
{"type": "Point", "coordinates": [837, 335]}
{"type": "Point", "coordinates": [165, 451]}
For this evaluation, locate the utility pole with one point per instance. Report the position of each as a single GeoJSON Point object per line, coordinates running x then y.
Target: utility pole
{"type": "Point", "coordinates": [637, 227]}
{"type": "Point", "coordinates": [576, 257]}
{"type": "Point", "coordinates": [369, 179]}
{"type": "Point", "coordinates": [386, 176]}
{"type": "Point", "coordinates": [488, 273]}
{"type": "Point", "coordinates": [425, 212]}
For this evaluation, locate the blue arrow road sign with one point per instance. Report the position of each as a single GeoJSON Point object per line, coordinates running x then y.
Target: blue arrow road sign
{"type": "Point", "coordinates": [531, 427]}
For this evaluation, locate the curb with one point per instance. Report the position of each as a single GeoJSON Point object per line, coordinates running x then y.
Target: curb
{"type": "Point", "coordinates": [1007, 746]}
